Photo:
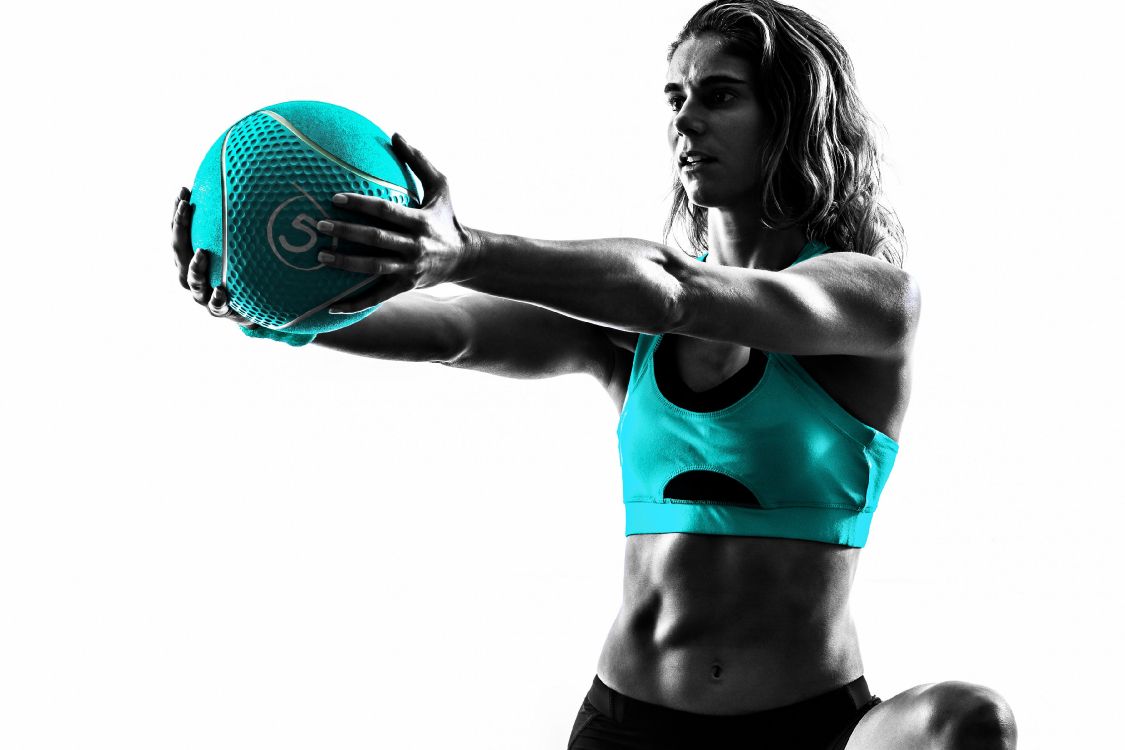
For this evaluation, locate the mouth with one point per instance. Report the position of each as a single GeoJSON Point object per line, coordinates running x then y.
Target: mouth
{"type": "Point", "coordinates": [693, 159]}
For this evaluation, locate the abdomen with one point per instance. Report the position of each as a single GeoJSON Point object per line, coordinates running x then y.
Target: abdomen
{"type": "Point", "coordinates": [727, 625]}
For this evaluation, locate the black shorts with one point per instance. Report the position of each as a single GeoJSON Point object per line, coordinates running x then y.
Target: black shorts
{"type": "Point", "coordinates": [609, 720]}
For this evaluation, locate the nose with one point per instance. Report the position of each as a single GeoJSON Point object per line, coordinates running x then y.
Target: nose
{"type": "Point", "coordinates": [689, 120]}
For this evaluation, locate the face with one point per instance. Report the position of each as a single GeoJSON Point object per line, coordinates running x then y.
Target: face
{"type": "Point", "coordinates": [717, 125]}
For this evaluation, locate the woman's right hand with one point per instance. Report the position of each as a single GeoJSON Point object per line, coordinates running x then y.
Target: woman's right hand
{"type": "Point", "coordinates": [194, 267]}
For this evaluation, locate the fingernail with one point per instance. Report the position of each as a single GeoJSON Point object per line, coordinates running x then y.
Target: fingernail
{"type": "Point", "coordinates": [339, 199]}
{"type": "Point", "coordinates": [400, 138]}
{"type": "Point", "coordinates": [326, 257]}
{"type": "Point", "coordinates": [325, 226]}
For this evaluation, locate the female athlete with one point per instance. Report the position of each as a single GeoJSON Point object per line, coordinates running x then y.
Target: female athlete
{"type": "Point", "coordinates": [762, 382]}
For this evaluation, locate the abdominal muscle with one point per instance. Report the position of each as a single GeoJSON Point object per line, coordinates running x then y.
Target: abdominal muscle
{"type": "Point", "coordinates": [728, 625]}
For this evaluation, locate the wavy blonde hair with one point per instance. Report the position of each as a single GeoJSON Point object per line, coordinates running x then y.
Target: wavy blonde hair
{"type": "Point", "coordinates": [820, 161]}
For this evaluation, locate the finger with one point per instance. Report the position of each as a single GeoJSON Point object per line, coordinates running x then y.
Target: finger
{"type": "Point", "coordinates": [366, 264]}
{"type": "Point", "coordinates": [181, 239]}
{"type": "Point", "coordinates": [183, 195]}
{"type": "Point", "coordinates": [219, 303]}
{"type": "Point", "coordinates": [433, 181]}
{"type": "Point", "coordinates": [199, 277]}
{"type": "Point", "coordinates": [383, 239]}
{"type": "Point", "coordinates": [381, 209]}
{"type": "Point", "coordinates": [220, 307]}
{"type": "Point", "coordinates": [378, 293]}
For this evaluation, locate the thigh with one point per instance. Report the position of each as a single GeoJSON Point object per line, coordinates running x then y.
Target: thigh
{"type": "Point", "coordinates": [898, 722]}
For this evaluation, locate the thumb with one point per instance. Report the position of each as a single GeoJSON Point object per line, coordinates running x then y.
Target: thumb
{"type": "Point", "coordinates": [432, 180]}
{"type": "Point", "coordinates": [219, 304]}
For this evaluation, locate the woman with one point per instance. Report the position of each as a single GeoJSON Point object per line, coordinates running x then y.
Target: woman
{"type": "Point", "coordinates": [762, 383]}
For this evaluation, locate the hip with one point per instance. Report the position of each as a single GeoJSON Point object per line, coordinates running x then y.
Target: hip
{"type": "Point", "coordinates": [609, 719]}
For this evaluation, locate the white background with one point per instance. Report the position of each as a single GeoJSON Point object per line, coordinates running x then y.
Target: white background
{"type": "Point", "coordinates": [213, 542]}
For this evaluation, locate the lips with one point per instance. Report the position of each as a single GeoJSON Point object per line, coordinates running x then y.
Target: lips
{"type": "Point", "coordinates": [691, 159]}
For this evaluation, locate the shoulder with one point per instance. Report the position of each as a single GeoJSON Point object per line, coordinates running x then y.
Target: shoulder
{"type": "Point", "coordinates": [871, 278]}
{"type": "Point", "coordinates": [853, 292]}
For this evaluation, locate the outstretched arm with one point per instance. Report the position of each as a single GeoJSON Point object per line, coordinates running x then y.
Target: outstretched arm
{"type": "Point", "coordinates": [841, 303]}
{"type": "Point", "coordinates": [490, 334]}
{"type": "Point", "coordinates": [480, 332]}
{"type": "Point", "coordinates": [471, 330]}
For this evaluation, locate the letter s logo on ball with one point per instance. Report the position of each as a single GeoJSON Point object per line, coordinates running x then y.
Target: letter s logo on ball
{"type": "Point", "coordinates": [292, 234]}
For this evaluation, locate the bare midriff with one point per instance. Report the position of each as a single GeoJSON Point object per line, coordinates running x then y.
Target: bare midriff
{"type": "Point", "coordinates": [728, 625]}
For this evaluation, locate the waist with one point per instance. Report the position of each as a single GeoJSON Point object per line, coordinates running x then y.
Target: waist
{"type": "Point", "coordinates": [711, 677]}
{"type": "Point", "coordinates": [844, 700]}
{"type": "Point", "coordinates": [732, 624]}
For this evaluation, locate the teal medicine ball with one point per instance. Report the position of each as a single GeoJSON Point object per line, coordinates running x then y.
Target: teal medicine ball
{"type": "Point", "coordinates": [259, 193]}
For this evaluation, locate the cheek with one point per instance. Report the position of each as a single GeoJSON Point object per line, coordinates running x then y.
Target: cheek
{"type": "Point", "coordinates": [749, 129]}
{"type": "Point", "coordinates": [752, 158]}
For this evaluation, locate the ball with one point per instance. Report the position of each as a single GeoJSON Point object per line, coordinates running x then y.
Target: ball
{"type": "Point", "coordinates": [259, 193]}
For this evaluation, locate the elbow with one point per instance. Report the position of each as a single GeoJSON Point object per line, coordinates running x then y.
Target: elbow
{"type": "Point", "coordinates": [451, 334]}
{"type": "Point", "coordinates": [453, 342]}
{"type": "Point", "coordinates": [671, 303]}
{"type": "Point", "coordinates": [672, 311]}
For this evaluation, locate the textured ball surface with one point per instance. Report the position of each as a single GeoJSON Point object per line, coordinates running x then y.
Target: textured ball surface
{"type": "Point", "coordinates": [259, 193]}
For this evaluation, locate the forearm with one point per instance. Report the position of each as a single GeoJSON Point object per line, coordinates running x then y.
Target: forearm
{"type": "Point", "coordinates": [628, 284]}
{"type": "Point", "coordinates": [410, 327]}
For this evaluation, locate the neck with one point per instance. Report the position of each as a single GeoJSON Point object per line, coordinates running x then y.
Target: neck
{"type": "Point", "coordinates": [739, 239]}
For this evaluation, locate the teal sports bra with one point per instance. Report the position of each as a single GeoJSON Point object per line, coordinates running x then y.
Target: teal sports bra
{"type": "Point", "coordinates": [784, 460]}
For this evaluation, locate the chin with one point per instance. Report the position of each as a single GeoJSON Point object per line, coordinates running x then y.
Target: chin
{"type": "Point", "coordinates": [700, 195]}
{"type": "Point", "coordinates": [703, 198]}
{"type": "Point", "coordinates": [714, 196]}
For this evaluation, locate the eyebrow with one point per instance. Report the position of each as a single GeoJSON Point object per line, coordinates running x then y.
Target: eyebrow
{"type": "Point", "coordinates": [708, 81]}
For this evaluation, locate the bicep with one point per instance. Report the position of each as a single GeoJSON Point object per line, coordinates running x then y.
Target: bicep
{"type": "Point", "coordinates": [842, 303]}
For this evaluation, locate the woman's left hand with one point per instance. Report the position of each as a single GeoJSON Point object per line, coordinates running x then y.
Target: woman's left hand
{"type": "Point", "coordinates": [418, 247]}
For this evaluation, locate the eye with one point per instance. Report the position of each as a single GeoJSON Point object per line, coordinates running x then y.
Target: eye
{"type": "Point", "coordinates": [713, 99]}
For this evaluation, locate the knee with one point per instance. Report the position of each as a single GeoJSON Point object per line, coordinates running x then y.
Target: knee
{"type": "Point", "coordinates": [965, 716]}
